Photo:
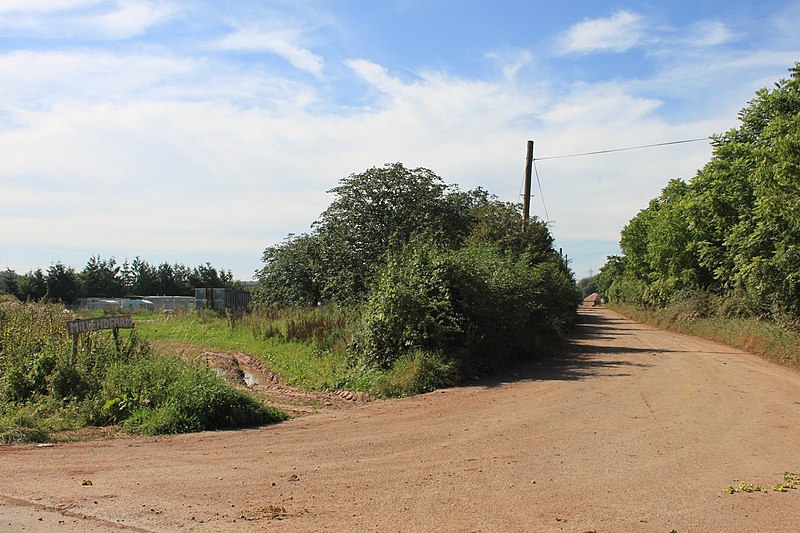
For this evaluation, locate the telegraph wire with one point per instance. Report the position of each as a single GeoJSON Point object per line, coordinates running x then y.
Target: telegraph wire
{"type": "Point", "coordinates": [536, 171]}
{"type": "Point", "coordinates": [597, 152]}
{"type": "Point", "coordinates": [621, 149]}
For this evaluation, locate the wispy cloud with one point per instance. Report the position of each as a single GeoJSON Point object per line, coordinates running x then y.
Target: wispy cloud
{"type": "Point", "coordinates": [85, 19]}
{"type": "Point", "coordinates": [617, 33]}
{"type": "Point", "coordinates": [283, 43]}
{"type": "Point", "coordinates": [510, 62]}
{"type": "Point", "coordinates": [43, 6]}
{"type": "Point", "coordinates": [708, 33]}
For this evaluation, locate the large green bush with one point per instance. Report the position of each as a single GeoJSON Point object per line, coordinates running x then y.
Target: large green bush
{"type": "Point", "coordinates": [479, 306]}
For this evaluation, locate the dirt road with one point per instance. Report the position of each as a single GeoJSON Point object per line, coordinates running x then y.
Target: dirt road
{"type": "Point", "coordinates": [637, 430]}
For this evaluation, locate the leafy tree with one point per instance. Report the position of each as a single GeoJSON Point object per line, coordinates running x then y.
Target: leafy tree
{"type": "Point", "coordinates": [735, 228]}
{"type": "Point", "coordinates": [587, 286]}
{"type": "Point", "coordinates": [127, 276]}
{"type": "Point", "coordinates": [63, 284]}
{"type": "Point", "coordinates": [377, 213]}
{"type": "Point", "coordinates": [173, 279]}
{"type": "Point", "coordinates": [374, 211]}
{"type": "Point", "coordinates": [32, 286]}
{"type": "Point", "coordinates": [145, 278]}
{"type": "Point", "coordinates": [291, 273]}
{"type": "Point", "coordinates": [480, 306]}
{"type": "Point", "coordinates": [102, 277]}
{"type": "Point", "coordinates": [9, 282]}
{"type": "Point", "coordinates": [498, 224]}
{"type": "Point", "coordinates": [208, 276]}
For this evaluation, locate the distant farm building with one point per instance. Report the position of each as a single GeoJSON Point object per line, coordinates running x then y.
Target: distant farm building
{"type": "Point", "coordinates": [593, 300]}
{"type": "Point", "coordinates": [99, 303]}
{"type": "Point", "coordinates": [148, 303]}
{"type": "Point", "coordinates": [136, 305]}
{"type": "Point", "coordinates": [222, 299]}
{"type": "Point", "coordinates": [172, 303]}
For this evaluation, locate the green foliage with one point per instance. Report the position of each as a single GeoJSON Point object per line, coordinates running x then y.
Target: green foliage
{"type": "Point", "coordinates": [101, 277]}
{"type": "Point", "coordinates": [164, 395]}
{"type": "Point", "coordinates": [734, 230]}
{"type": "Point", "coordinates": [790, 482]}
{"type": "Point", "coordinates": [374, 212]}
{"type": "Point", "coordinates": [21, 428]}
{"type": "Point", "coordinates": [587, 286]}
{"type": "Point", "coordinates": [291, 273]}
{"type": "Point", "coordinates": [105, 278]}
{"type": "Point", "coordinates": [416, 372]}
{"type": "Point", "coordinates": [480, 306]}
{"type": "Point", "coordinates": [63, 284]}
{"type": "Point", "coordinates": [431, 270]}
{"type": "Point", "coordinates": [44, 386]}
{"type": "Point", "coordinates": [411, 306]}
{"type": "Point", "coordinates": [9, 282]}
{"type": "Point", "coordinates": [32, 286]}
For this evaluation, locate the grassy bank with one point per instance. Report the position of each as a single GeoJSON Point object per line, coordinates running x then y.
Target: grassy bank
{"type": "Point", "coordinates": [47, 388]}
{"type": "Point", "coordinates": [307, 347]}
{"type": "Point", "coordinates": [764, 338]}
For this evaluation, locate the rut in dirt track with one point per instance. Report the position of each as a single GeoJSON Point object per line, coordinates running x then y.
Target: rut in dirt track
{"type": "Point", "coordinates": [635, 429]}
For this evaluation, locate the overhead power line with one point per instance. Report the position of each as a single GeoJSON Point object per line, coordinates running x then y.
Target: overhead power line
{"type": "Point", "coordinates": [621, 149]}
{"type": "Point", "coordinates": [536, 170]}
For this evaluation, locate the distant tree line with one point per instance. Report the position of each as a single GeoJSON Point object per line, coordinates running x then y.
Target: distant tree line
{"type": "Point", "coordinates": [427, 267]}
{"type": "Point", "coordinates": [728, 240]}
{"type": "Point", "coordinates": [106, 278]}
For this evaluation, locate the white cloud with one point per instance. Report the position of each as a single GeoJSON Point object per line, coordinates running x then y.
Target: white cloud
{"type": "Point", "coordinates": [279, 42]}
{"type": "Point", "coordinates": [130, 18]}
{"type": "Point", "coordinates": [511, 62]}
{"type": "Point", "coordinates": [174, 153]}
{"type": "Point", "coordinates": [102, 20]}
{"type": "Point", "coordinates": [708, 33]}
{"type": "Point", "coordinates": [179, 177]}
{"type": "Point", "coordinates": [617, 33]}
{"type": "Point", "coordinates": [38, 80]}
{"type": "Point", "coordinates": [43, 6]}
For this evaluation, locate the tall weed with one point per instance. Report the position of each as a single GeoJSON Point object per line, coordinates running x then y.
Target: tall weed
{"type": "Point", "coordinates": [42, 378]}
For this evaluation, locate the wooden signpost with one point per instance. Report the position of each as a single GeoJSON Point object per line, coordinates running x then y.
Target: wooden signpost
{"type": "Point", "coordinates": [84, 325]}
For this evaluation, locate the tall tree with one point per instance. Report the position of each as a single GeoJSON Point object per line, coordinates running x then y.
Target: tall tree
{"type": "Point", "coordinates": [102, 277]}
{"type": "Point", "coordinates": [63, 284]}
{"type": "Point", "coordinates": [32, 286]}
{"type": "Point", "coordinates": [145, 278]}
{"type": "Point", "coordinates": [9, 282]}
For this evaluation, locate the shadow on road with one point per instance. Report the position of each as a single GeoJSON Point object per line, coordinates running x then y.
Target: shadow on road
{"type": "Point", "coordinates": [589, 352]}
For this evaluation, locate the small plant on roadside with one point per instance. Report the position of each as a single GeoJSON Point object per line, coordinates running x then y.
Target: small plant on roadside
{"type": "Point", "coordinates": [417, 372]}
{"type": "Point", "coordinates": [21, 428]}
{"type": "Point", "coordinates": [790, 481]}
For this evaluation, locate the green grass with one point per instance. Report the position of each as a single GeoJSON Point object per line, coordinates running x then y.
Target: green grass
{"type": "Point", "coordinates": [417, 372]}
{"type": "Point", "coordinates": [315, 361]}
{"type": "Point", "coordinates": [308, 348]}
{"type": "Point", "coordinates": [756, 336]}
{"type": "Point", "coordinates": [45, 388]}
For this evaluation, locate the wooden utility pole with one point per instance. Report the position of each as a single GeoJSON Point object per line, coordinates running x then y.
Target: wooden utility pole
{"type": "Point", "coordinates": [526, 198]}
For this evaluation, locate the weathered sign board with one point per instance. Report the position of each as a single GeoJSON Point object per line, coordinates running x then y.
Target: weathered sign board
{"type": "Point", "coordinates": [96, 324]}
{"type": "Point", "coordinates": [84, 325]}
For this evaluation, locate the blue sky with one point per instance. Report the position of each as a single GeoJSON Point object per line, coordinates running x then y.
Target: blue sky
{"type": "Point", "coordinates": [193, 131]}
